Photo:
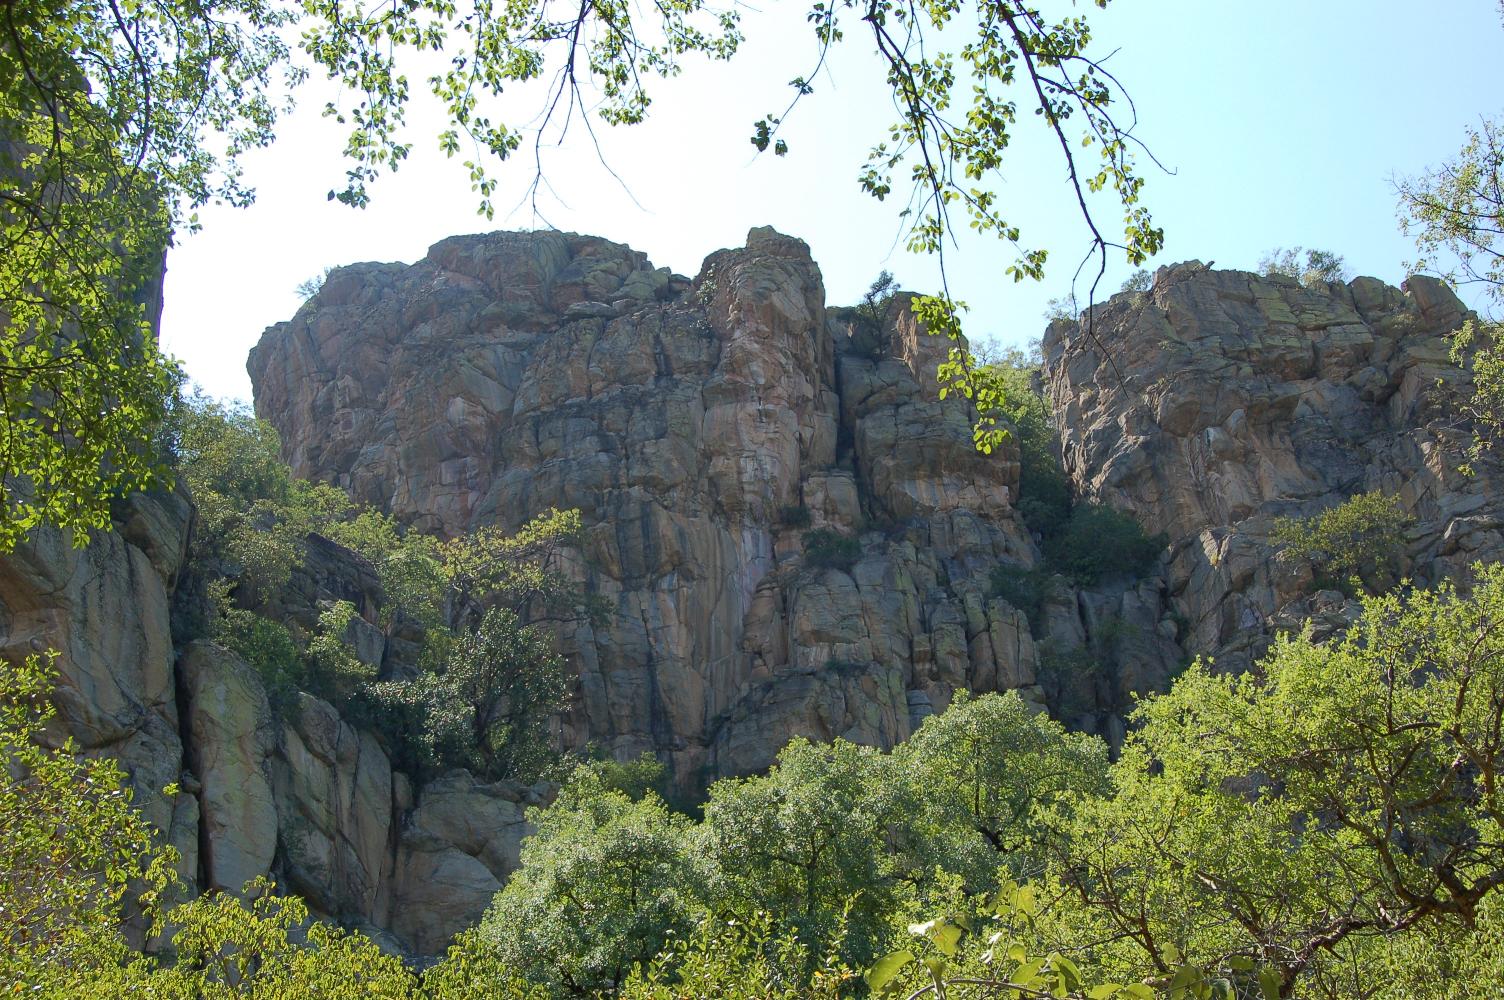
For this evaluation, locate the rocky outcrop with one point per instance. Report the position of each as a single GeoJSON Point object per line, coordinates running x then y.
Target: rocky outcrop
{"type": "Point", "coordinates": [105, 609]}
{"type": "Point", "coordinates": [1221, 400]}
{"type": "Point", "coordinates": [296, 794]}
{"type": "Point", "coordinates": [703, 428]}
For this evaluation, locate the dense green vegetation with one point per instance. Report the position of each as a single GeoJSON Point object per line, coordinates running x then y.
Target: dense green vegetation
{"type": "Point", "coordinates": [485, 681]}
{"type": "Point", "coordinates": [1330, 828]}
{"type": "Point", "coordinates": [1357, 546]}
{"type": "Point", "coordinates": [827, 548]}
{"type": "Point", "coordinates": [1084, 542]}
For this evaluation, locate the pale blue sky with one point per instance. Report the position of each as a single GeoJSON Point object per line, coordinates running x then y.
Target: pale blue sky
{"type": "Point", "coordinates": [1284, 121]}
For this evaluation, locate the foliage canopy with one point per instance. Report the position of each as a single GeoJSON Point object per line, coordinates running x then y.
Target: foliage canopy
{"type": "Point", "coordinates": [1328, 828]}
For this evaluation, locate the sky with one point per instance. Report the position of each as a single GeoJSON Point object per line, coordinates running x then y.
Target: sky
{"type": "Point", "coordinates": [1283, 123]}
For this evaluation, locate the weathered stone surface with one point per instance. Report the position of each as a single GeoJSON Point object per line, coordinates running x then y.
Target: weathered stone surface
{"type": "Point", "coordinates": [231, 740]}
{"type": "Point", "coordinates": [333, 790]}
{"type": "Point", "coordinates": [458, 848]}
{"type": "Point", "coordinates": [508, 373]}
{"type": "Point", "coordinates": [1231, 400]}
{"type": "Point", "coordinates": [105, 610]}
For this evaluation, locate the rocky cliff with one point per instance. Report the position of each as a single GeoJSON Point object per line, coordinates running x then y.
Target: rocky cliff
{"type": "Point", "coordinates": [1220, 400]}
{"type": "Point", "coordinates": [714, 432]}
{"type": "Point", "coordinates": [299, 795]}
{"type": "Point", "coordinates": [793, 533]}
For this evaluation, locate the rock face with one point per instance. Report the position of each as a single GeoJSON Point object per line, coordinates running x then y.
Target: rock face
{"type": "Point", "coordinates": [1232, 399]}
{"type": "Point", "coordinates": [105, 610]}
{"type": "Point", "coordinates": [299, 795]}
{"type": "Point", "coordinates": [702, 428]}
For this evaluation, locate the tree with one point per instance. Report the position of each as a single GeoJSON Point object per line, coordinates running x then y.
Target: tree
{"type": "Point", "coordinates": [1356, 545]}
{"type": "Point", "coordinates": [241, 491]}
{"type": "Point", "coordinates": [1345, 797]}
{"type": "Point", "coordinates": [71, 843]}
{"type": "Point", "coordinates": [309, 287]}
{"type": "Point", "coordinates": [489, 706]}
{"type": "Point", "coordinates": [1003, 773]}
{"type": "Point", "coordinates": [517, 570]}
{"type": "Point", "coordinates": [605, 881]}
{"type": "Point", "coordinates": [120, 122]}
{"type": "Point", "coordinates": [1475, 349]}
{"type": "Point", "coordinates": [1456, 212]}
{"type": "Point", "coordinates": [807, 842]}
{"type": "Point", "coordinates": [875, 300]}
{"type": "Point", "coordinates": [106, 147]}
{"type": "Point", "coordinates": [1315, 269]}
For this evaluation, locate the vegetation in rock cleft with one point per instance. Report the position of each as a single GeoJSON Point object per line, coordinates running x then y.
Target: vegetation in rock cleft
{"type": "Point", "coordinates": [484, 680]}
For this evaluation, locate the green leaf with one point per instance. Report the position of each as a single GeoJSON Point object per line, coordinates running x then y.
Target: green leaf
{"type": "Point", "coordinates": [1027, 974]}
{"type": "Point", "coordinates": [884, 969]}
{"type": "Point", "coordinates": [1070, 975]}
{"type": "Point", "coordinates": [1270, 981]}
{"type": "Point", "coordinates": [945, 937]}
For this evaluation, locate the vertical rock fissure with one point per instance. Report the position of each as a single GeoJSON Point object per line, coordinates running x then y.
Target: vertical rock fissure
{"type": "Point", "coordinates": [191, 764]}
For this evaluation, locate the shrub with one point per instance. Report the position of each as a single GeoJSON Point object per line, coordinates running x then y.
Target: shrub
{"type": "Point", "coordinates": [827, 549]}
{"type": "Point", "coordinates": [266, 645]}
{"type": "Point", "coordinates": [1025, 589]}
{"type": "Point", "coordinates": [1044, 495]}
{"type": "Point", "coordinates": [1355, 546]}
{"type": "Point", "coordinates": [309, 287]}
{"type": "Point", "coordinates": [1098, 542]}
{"type": "Point", "coordinates": [489, 707]}
{"type": "Point", "coordinates": [1317, 268]}
{"type": "Point", "coordinates": [1139, 281]}
{"type": "Point", "coordinates": [1061, 308]}
{"type": "Point", "coordinates": [876, 300]}
{"type": "Point", "coordinates": [794, 516]}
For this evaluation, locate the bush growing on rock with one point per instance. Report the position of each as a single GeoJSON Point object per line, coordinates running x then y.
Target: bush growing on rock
{"type": "Point", "coordinates": [1098, 543]}
{"type": "Point", "coordinates": [1314, 270]}
{"type": "Point", "coordinates": [873, 310]}
{"type": "Point", "coordinates": [1044, 495]}
{"type": "Point", "coordinates": [488, 681]}
{"type": "Point", "coordinates": [794, 516]}
{"type": "Point", "coordinates": [489, 705]}
{"type": "Point", "coordinates": [1025, 589]}
{"type": "Point", "coordinates": [825, 548]}
{"type": "Point", "coordinates": [1356, 546]}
